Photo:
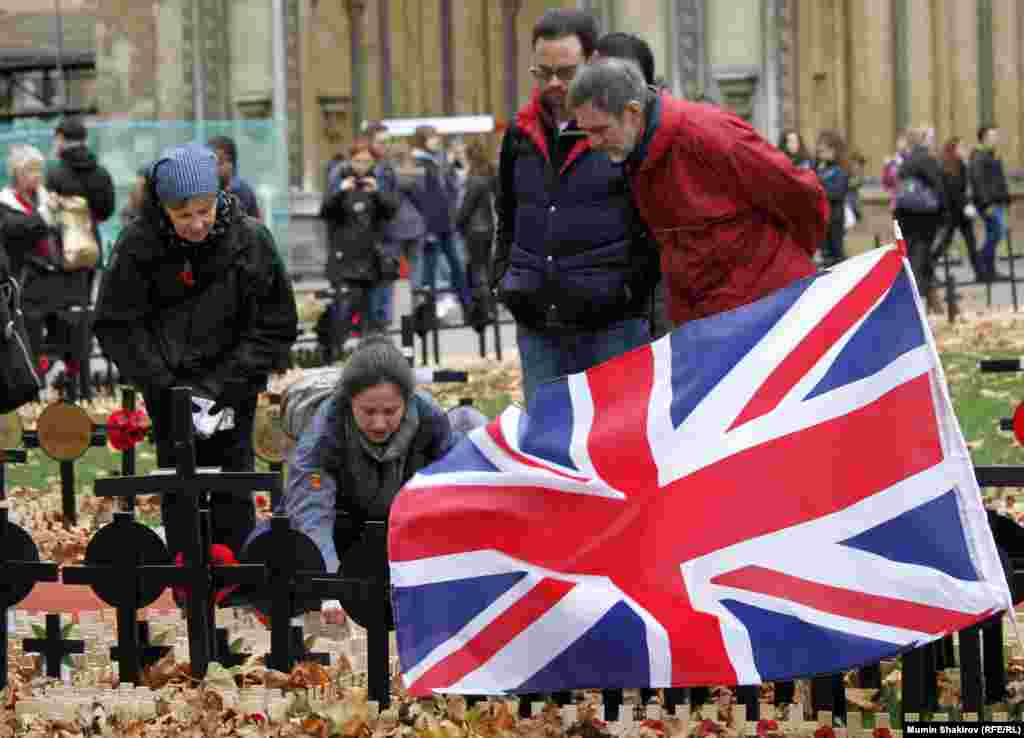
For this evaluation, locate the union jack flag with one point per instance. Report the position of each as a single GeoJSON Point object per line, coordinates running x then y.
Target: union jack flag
{"type": "Point", "coordinates": [774, 492]}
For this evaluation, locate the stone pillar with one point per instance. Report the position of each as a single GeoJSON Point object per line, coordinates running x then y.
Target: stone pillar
{"type": "Point", "coordinates": [216, 58]}
{"type": "Point", "coordinates": [788, 61]}
{"type": "Point", "coordinates": [510, 9]}
{"type": "Point", "coordinates": [872, 125]}
{"type": "Point", "coordinates": [293, 59]}
{"type": "Point", "coordinates": [920, 91]}
{"type": "Point", "coordinates": [961, 17]}
{"type": "Point", "coordinates": [1006, 50]}
{"type": "Point", "coordinates": [735, 52]}
{"type": "Point", "coordinates": [694, 76]}
{"type": "Point", "coordinates": [771, 93]}
{"type": "Point", "coordinates": [251, 74]}
{"type": "Point", "coordinates": [447, 73]}
{"type": "Point", "coordinates": [355, 9]}
{"type": "Point", "coordinates": [384, 27]}
{"type": "Point", "coordinates": [126, 58]}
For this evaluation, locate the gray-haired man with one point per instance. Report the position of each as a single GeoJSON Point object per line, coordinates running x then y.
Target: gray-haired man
{"type": "Point", "coordinates": [734, 218]}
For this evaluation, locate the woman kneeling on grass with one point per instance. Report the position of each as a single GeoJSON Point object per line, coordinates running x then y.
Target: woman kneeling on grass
{"type": "Point", "coordinates": [365, 441]}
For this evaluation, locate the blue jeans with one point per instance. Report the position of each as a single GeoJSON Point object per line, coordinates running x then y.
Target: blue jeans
{"type": "Point", "coordinates": [995, 229]}
{"type": "Point", "coordinates": [379, 304]}
{"type": "Point", "coordinates": [446, 245]}
{"type": "Point", "coordinates": [546, 355]}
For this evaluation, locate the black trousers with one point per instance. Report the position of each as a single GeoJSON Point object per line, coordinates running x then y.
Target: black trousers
{"type": "Point", "coordinates": [232, 517]}
{"type": "Point", "coordinates": [919, 233]}
{"type": "Point", "coordinates": [966, 228]}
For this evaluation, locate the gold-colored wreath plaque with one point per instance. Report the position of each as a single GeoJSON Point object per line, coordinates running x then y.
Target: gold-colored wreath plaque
{"type": "Point", "coordinates": [65, 431]}
{"type": "Point", "coordinates": [10, 430]}
{"type": "Point", "coordinates": [268, 438]}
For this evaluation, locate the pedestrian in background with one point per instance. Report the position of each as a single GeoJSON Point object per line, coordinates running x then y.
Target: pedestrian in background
{"type": "Point", "coordinates": [356, 262]}
{"type": "Point", "coordinates": [230, 181]}
{"type": "Point", "coordinates": [475, 221]}
{"type": "Point", "coordinates": [792, 144]}
{"type": "Point", "coordinates": [960, 216]}
{"type": "Point", "coordinates": [921, 183]}
{"type": "Point", "coordinates": [77, 173]}
{"type": "Point", "coordinates": [832, 170]}
{"type": "Point", "coordinates": [432, 193]}
{"type": "Point", "coordinates": [991, 198]}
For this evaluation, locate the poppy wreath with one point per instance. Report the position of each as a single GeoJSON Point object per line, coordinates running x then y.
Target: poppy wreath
{"type": "Point", "coordinates": [126, 428]}
{"type": "Point", "coordinates": [220, 555]}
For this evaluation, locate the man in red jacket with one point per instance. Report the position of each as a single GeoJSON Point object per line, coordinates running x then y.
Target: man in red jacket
{"type": "Point", "coordinates": [734, 219]}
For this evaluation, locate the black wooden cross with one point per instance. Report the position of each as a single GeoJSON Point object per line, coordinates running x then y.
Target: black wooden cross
{"type": "Point", "coordinates": [19, 562]}
{"type": "Point", "coordinates": [113, 561]}
{"type": "Point", "coordinates": [53, 647]}
{"type": "Point", "coordinates": [147, 653]}
{"type": "Point", "coordinates": [364, 593]}
{"type": "Point", "coordinates": [198, 575]}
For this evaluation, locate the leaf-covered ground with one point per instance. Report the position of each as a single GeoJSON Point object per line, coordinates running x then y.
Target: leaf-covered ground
{"type": "Point", "coordinates": [323, 702]}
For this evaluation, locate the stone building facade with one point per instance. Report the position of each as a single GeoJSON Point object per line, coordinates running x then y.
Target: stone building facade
{"type": "Point", "coordinates": [864, 67]}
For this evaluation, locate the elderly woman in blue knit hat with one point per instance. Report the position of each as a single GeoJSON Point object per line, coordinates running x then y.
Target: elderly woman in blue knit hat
{"type": "Point", "coordinates": [197, 296]}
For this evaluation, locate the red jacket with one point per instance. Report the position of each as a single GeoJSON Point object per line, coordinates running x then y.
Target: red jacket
{"type": "Point", "coordinates": [734, 219]}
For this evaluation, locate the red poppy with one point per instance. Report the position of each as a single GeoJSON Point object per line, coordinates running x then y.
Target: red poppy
{"type": "Point", "coordinates": [825, 731]}
{"type": "Point", "coordinates": [767, 727]}
{"type": "Point", "coordinates": [881, 733]}
{"type": "Point", "coordinates": [220, 555]}
{"type": "Point", "coordinates": [261, 500]}
{"type": "Point", "coordinates": [126, 429]}
{"type": "Point", "coordinates": [187, 278]}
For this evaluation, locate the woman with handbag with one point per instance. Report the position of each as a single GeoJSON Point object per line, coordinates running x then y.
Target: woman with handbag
{"type": "Point", "coordinates": [28, 230]}
{"type": "Point", "coordinates": [355, 215]}
{"type": "Point", "coordinates": [920, 208]}
{"type": "Point", "coordinates": [961, 213]}
{"type": "Point", "coordinates": [475, 221]}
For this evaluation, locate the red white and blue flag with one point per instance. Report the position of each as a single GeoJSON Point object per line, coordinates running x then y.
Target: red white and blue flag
{"type": "Point", "coordinates": [777, 491]}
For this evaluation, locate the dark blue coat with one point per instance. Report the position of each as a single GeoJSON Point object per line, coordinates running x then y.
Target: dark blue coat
{"type": "Point", "coordinates": [571, 248]}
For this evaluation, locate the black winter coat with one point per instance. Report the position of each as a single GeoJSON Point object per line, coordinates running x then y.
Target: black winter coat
{"type": "Point", "coordinates": [988, 180]}
{"type": "Point", "coordinates": [921, 165]}
{"type": "Point", "coordinates": [237, 320]}
{"type": "Point", "coordinates": [355, 220]}
{"type": "Point", "coordinates": [20, 233]}
{"type": "Point", "coordinates": [78, 173]}
{"type": "Point", "coordinates": [475, 218]}
{"type": "Point", "coordinates": [955, 185]}
{"type": "Point", "coordinates": [432, 193]}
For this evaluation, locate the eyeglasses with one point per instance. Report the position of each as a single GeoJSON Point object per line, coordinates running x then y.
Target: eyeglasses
{"type": "Point", "coordinates": [545, 74]}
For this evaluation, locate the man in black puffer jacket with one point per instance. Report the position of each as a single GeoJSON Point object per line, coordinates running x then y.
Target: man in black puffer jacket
{"type": "Point", "coordinates": [571, 261]}
{"type": "Point", "coordinates": [196, 295]}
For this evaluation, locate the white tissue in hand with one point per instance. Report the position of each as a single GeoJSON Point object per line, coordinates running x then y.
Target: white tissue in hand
{"type": "Point", "coordinates": [205, 423]}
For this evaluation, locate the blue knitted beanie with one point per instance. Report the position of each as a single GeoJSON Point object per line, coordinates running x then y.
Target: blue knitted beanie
{"type": "Point", "coordinates": [185, 171]}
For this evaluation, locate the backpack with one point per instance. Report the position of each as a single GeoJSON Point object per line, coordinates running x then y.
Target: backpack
{"type": "Point", "coordinates": [302, 398]}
